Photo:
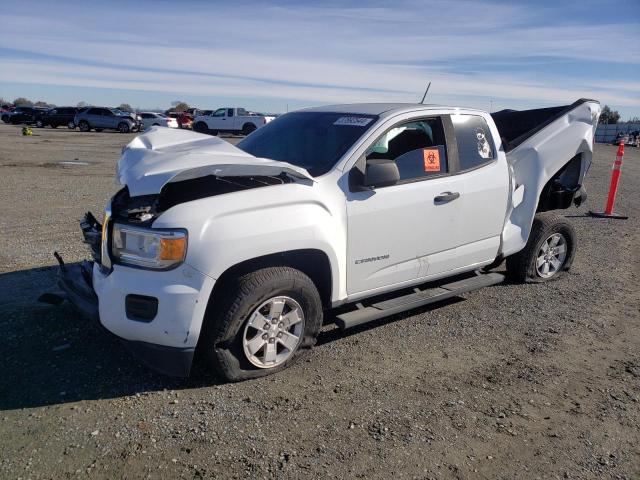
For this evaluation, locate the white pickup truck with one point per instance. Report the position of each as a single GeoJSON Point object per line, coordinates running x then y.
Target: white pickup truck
{"type": "Point", "coordinates": [243, 252]}
{"type": "Point", "coordinates": [230, 120]}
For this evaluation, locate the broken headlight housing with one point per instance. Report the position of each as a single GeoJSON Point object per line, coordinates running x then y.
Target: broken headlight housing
{"type": "Point", "coordinates": [148, 248]}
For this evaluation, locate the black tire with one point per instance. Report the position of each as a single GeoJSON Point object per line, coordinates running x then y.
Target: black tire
{"type": "Point", "coordinates": [247, 128]}
{"type": "Point", "coordinates": [123, 127]}
{"type": "Point", "coordinates": [222, 334]}
{"type": "Point", "coordinates": [98, 129]}
{"type": "Point", "coordinates": [521, 266]}
{"type": "Point", "coordinates": [71, 125]}
{"type": "Point", "coordinates": [84, 126]}
{"type": "Point", "coordinates": [201, 127]}
{"type": "Point", "coordinates": [5, 118]}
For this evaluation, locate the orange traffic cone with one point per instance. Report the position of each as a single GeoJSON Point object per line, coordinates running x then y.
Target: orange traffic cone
{"type": "Point", "coordinates": [613, 188]}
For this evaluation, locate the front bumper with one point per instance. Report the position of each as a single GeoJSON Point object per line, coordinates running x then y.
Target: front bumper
{"type": "Point", "coordinates": [166, 342]}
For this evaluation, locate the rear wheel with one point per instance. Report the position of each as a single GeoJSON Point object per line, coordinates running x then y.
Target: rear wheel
{"type": "Point", "coordinates": [123, 127]}
{"type": "Point", "coordinates": [247, 128]}
{"type": "Point", "coordinates": [548, 253]}
{"type": "Point", "coordinates": [84, 126]}
{"type": "Point", "coordinates": [261, 323]}
{"type": "Point", "coordinates": [5, 118]}
{"type": "Point", "coordinates": [71, 125]}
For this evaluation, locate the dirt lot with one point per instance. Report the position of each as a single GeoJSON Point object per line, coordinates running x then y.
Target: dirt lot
{"type": "Point", "coordinates": [510, 382]}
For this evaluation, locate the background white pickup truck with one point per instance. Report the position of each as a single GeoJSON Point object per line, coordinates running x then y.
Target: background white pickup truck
{"type": "Point", "coordinates": [230, 120]}
{"type": "Point", "coordinates": [344, 213]}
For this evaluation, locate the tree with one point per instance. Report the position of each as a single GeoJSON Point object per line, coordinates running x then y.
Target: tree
{"type": "Point", "coordinates": [609, 116]}
{"type": "Point", "coordinates": [180, 106]}
{"type": "Point", "coordinates": [22, 102]}
{"type": "Point", "coordinates": [40, 103]}
{"type": "Point", "coordinates": [82, 104]}
{"type": "Point", "coordinates": [125, 107]}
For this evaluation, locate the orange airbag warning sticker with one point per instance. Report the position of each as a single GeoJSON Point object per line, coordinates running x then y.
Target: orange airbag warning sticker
{"type": "Point", "coordinates": [431, 159]}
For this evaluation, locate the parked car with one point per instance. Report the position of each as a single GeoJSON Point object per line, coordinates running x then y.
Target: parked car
{"type": "Point", "coordinates": [240, 250]}
{"type": "Point", "coordinates": [184, 119]}
{"type": "Point", "coordinates": [230, 120]}
{"type": "Point", "coordinates": [150, 119]}
{"type": "Point", "coordinates": [102, 118]}
{"type": "Point", "coordinates": [26, 115]}
{"type": "Point", "coordinates": [6, 108]}
{"type": "Point", "coordinates": [57, 117]}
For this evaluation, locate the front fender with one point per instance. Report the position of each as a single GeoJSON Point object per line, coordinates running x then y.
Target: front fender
{"type": "Point", "coordinates": [229, 229]}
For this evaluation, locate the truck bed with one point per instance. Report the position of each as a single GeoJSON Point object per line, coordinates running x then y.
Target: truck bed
{"type": "Point", "coordinates": [548, 150]}
{"type": "Point", "coordinates": [515, 126]}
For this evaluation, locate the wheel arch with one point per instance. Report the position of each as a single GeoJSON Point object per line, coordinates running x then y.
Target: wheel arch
{"type": "Point", "coordinates": [312, 262]}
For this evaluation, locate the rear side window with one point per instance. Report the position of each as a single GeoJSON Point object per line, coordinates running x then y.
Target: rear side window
{"type": "Point", "coordinates": [475, 143]}
{"type": "Point", "coordinates": [94, 111]}
{"type": "Point", "coordinates": [418, 148]}
{"type": "Point", "coordinates": [230, 112]}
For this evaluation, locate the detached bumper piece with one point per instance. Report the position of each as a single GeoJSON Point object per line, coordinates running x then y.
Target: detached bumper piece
{"type": "Point", "coordinates": [92, 233]}
{"type": "Point", "coordinates": [75, 281]}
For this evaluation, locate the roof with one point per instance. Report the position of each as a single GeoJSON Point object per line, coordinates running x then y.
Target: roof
{"type": "Point", "coordinates": [381, 109]}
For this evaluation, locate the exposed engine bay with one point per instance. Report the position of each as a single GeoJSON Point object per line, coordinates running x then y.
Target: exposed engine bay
{"type": "Point", "coordinates": [143, 209]}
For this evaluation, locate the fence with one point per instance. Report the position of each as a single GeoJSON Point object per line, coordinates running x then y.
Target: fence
{"type": "Point", "coordinates": [606, 133]}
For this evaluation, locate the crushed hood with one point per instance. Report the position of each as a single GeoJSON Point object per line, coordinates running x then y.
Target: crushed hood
{"type": "Point", "coordinates": [163, 155]}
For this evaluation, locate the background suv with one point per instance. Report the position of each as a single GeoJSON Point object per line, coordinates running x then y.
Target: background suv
{"type": "Point", "coordinates": [57, 117]}
{"type": "Point", "coordinates": [101, 118]}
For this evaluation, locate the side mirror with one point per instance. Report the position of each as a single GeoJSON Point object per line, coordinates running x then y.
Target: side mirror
{"type": "Point", "coordinates": [381, 173]}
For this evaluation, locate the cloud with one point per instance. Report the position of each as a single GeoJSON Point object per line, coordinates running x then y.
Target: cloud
{"type": "Point", "coordinates": [316, 53]}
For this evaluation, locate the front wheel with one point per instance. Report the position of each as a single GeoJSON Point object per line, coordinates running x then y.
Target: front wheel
{"type": "Point", "coordinates": [39, 123]}
{"type": "Point", "coordinates": [201, 127]}
{"type": "Point", "coordinates": [548, 253]}
{"type": "Point", "coordinates": [261, 322]}
{"type": "Point", "coordinates": [84, 126]}
{"type": "Point", "coordinates": [123, 127]}
{"type": "Point", "coordinates": [71, 125]}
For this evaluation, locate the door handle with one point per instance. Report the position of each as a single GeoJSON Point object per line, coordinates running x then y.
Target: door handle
{"type": "Point", "coordinates": [445, 197]}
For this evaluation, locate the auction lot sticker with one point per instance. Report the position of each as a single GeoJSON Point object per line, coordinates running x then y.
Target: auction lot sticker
{"type": "Point", "coordinates": [353, 121]}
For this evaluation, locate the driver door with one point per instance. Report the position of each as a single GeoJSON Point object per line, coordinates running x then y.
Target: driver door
{"type": "Point", "coordinates": [217, 119]}
{"type": "Point", "coordinates": [399, 233]}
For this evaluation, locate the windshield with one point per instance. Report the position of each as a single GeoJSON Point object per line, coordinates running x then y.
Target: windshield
{"type": "Point", "coordinates": [314, 141]}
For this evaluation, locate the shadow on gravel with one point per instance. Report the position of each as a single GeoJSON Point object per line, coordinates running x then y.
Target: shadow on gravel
{"type": "Point", "coordinates": [52, 355]}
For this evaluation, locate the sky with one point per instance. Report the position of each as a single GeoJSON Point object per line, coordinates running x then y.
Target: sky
{"type": "Point", "coordinates": [283, 55]}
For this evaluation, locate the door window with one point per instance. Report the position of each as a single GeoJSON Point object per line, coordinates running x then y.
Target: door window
{"type": "Point", "coordinates": [220, 112]}
{"type": "Point", "coordinates": [94, 111]}
{"type": "Point", "coordinates": [475, 142]}
{"type": "Point", "coordinates": [230, 112]}
{"type": "Point", "coordinates": [418, 148]}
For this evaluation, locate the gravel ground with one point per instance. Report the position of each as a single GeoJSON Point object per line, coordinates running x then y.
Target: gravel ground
{"type": "Point", "coordinates": [513, 381]}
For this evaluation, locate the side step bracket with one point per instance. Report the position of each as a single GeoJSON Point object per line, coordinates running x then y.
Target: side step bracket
{"type": "Point", "coordinates": [418, 298]}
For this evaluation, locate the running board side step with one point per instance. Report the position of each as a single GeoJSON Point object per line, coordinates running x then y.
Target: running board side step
{"type": "Point", "coordinates": [416, 299]}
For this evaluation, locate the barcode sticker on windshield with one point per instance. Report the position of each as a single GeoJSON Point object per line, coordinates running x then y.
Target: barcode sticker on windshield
{"type": "Point", "coordinates": [353, 121]}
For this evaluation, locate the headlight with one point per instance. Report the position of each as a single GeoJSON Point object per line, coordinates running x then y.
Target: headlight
{"type": "Point", "coordinates": [143, 247]}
